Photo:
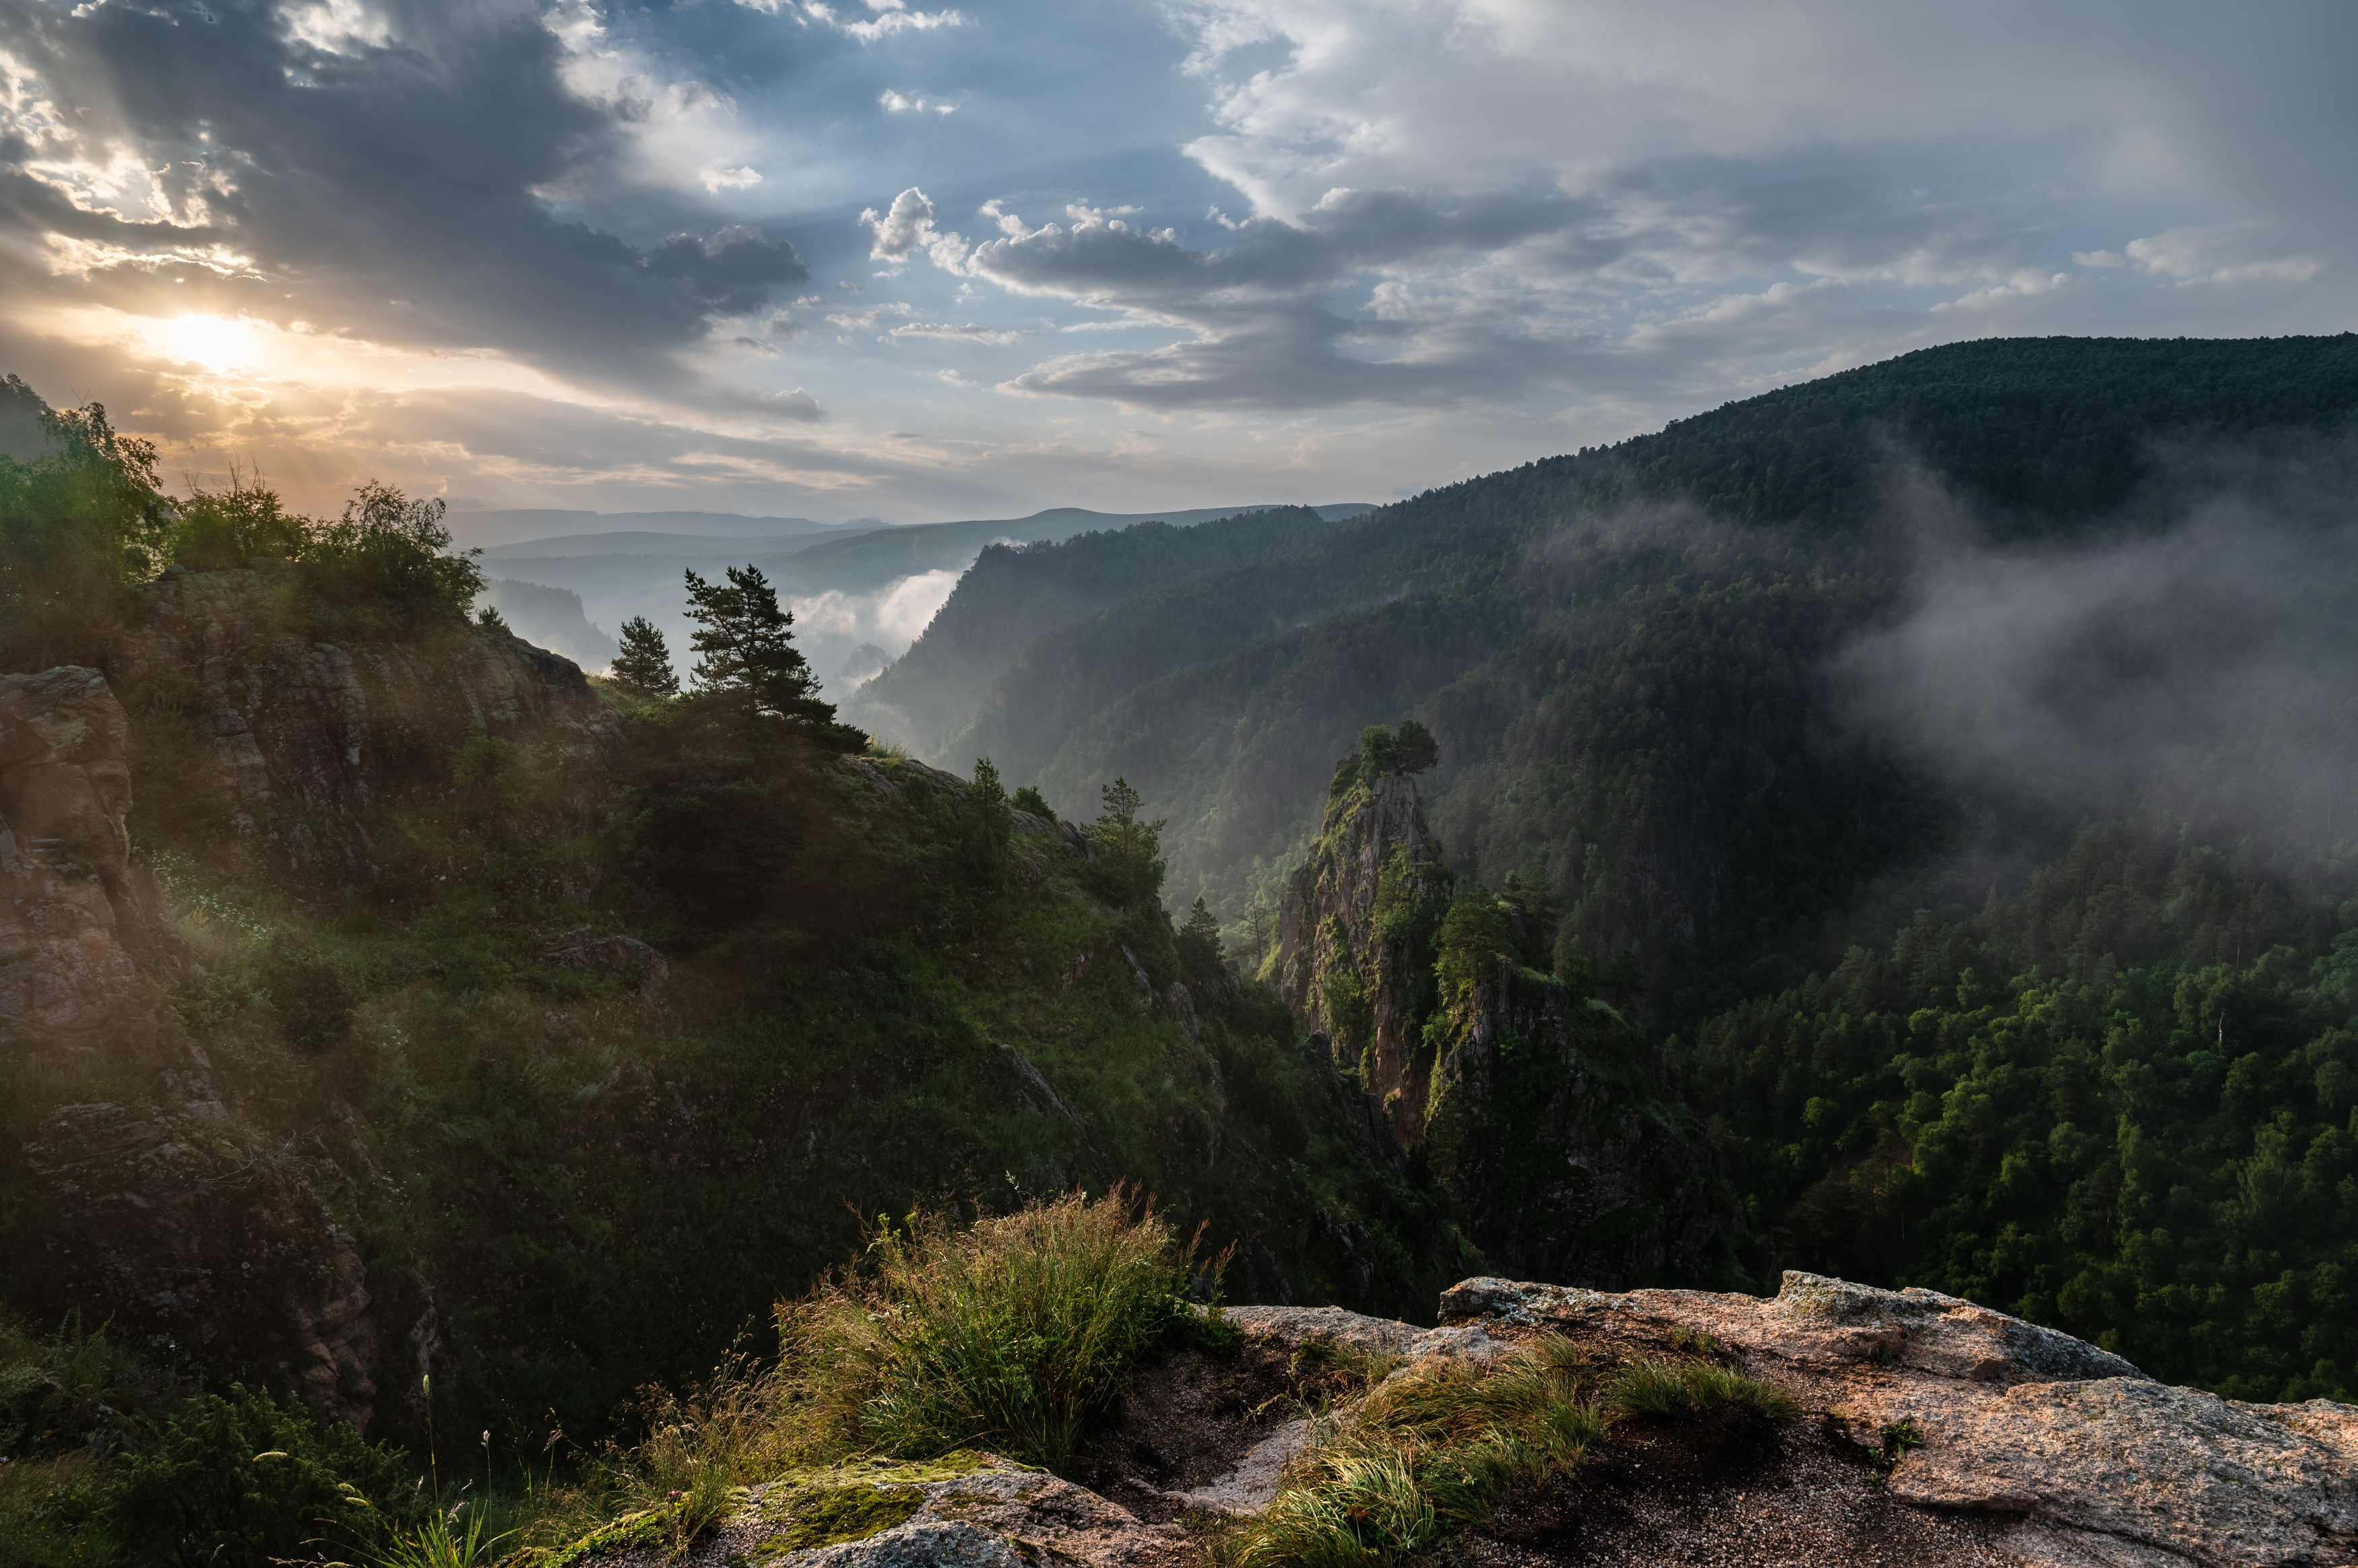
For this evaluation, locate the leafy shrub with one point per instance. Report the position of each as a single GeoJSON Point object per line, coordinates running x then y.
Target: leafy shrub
{"type": "Point", "coordinates": [1012, 1334]}
{"type": "Point", "coordinates": [246, 1481]}
{"type": "Point", "coordinates": [218, 529]}
{"type": "Point", "coordinates": [388, 550]}
{"type": "Point", "coordinates": [77, 525]}
{"type": "Point", "coordinates": [1029, 798]}
{"type": "Point", "coordinates": [312, 994]}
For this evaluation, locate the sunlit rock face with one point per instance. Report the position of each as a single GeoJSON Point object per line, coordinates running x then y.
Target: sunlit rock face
{"type": "Point", "coordinates": [75, 906]}
{"type": "Point", "coordinates": [301, 723]}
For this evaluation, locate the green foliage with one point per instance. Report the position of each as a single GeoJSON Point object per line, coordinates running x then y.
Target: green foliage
{"type": "Point", "coordinates": [716, 807]}
{"type": "Point", "coordinates": [1012, 1334]}
{"type": "Point", "coordinates": [77, 523]}
{"type": "Point", "coordinates": [749, 657]}
{"type": "Point", "coordinates": [1473, 938]}
{"type": "Point", "coordinates": [312, 994]}
{"type": "Point", "coordinates": [1415, 751]}
{"type": "Point", "coordinates": [1666, 1389]}
{"type": "Point", "coordinates": [2116, 1102]}
{"type": "Point", "coordinates": [221, 529]}
{"type": "Point", "coordinates": [1432, 1451]}
{"type": "Point", "coordinates": [390, 553]}
{"type": "Point", "coordinates": [1029, 798]}
{"type": "Point", "coordinates": [1130, 851]}
{"type": "Point", "coordinates": [1198, 946]}
{"type": "Point", "coordinates": [988, 827]}
{"type": "Point", "coordinates": [643, 667]}
{"type": "Point", "coordinates": [246, 1480]}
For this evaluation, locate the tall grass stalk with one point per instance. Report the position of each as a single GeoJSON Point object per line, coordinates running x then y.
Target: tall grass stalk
{"type": "Point", "coordinates": [1011, 1334]}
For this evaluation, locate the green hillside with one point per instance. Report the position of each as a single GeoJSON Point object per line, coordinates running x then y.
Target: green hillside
{"type": "Point", "coordinates": [1631, 697]}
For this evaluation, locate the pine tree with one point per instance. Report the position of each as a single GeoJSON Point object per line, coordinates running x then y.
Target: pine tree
{"type": "Point", "coordinates": [644, 665]}
{"type": "Point", "coordinates": [1413, 748]}
{"type": "Point", "coordinates": [747, 642]}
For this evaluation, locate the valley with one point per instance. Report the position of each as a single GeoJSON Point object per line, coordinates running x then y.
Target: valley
{"type": "Point", "coordinates": [1895, 829]}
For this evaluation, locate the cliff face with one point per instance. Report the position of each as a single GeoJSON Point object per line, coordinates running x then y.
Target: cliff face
{"type": "Point", "coordinates": [283, 750]}
{"type": "Point", "coordinates": [1534, 1107]}
{"type": "Point", "coordinates": [294, 739]}
{"type": "Point", "coordinates": [75, 905]}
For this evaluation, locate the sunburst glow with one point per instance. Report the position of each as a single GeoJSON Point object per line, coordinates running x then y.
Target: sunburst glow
{"type": "Point", "coordinates": [217, 342]}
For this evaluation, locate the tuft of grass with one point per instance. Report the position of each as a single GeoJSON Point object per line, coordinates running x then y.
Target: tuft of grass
{"type": "Point", "coordinates": [1432, 1451]}
{"type": "Point", "coordinates": [1671, 1388]}
{"type": "Point", "coordinates": [1012, 1334]}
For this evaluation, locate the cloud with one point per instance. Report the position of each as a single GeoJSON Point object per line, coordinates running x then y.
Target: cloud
{"type": "Point", "coordinates": [893, 17]}
{"type": "Point", "coordinates": [901, 103]}
{"type": "Point", "coordinates": [908, 225]}
{"type": "Point", "coordinates": [969, 333]}
{"type": "Point", "coordinates": [892, 616]}
{"type": "Point", "coordinates": [2071, 671]}
{"type": "Point", "coordinates": [714, 178]}
{"type": "Point", "coordinates": [398, 173]}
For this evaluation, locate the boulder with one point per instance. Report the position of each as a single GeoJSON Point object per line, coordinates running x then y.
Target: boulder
{"type": "Point", "coordinates": [2081, 1457]}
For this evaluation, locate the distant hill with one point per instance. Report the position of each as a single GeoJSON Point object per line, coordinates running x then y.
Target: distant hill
{"type": "Point", "coordinates": [838, 577]}
{"type": "Point", "coordinates": [490, 530]}
{"type": "Point", "coordinates": [1624, 652]}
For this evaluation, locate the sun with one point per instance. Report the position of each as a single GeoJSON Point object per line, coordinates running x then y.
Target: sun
{"type": "Point", "coordinates": [217, 342]}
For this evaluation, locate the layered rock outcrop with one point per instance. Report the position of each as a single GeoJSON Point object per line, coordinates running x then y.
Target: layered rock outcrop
{"type": "Point", "coordinates": [303, 728]}
{"type": "Point", "coordinates": [2081, 1458]}
{"type": "Point", "coordinates": [76, 906]}
{"type": "Point", "coordinates": [1535, 1106]}
{"type": "Point", "coordinates": [196, 1231]}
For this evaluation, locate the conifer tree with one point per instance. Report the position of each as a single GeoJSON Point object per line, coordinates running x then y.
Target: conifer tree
{"type": "Point", "coordinates": [747, 642]}
{"type": "Point", "coordinates": [644, 664]}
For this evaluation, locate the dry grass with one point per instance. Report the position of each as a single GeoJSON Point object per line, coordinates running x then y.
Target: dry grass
{"type": "Point", "coordinates": [1010, 1336]}
{"type": "Point", "coordinates": [1432, 1451]}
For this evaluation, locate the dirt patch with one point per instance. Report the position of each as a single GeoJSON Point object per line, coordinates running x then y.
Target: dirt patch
{"type": "Point", "coordinates": [1192, 1414]}
{"type": "Point", "coordinates": [1729, 1489]}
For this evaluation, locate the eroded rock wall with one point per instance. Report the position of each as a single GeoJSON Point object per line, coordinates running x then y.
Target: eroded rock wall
{"type": "Point", "coordinates": [1535, 1108]}
{"type": "Point", "coordinates": [76, 906]}
{"type": "Point", "coordinates": [303, 731]}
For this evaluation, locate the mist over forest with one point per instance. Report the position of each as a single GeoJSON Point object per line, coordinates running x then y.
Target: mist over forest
{"type": "Point", "coordinates": [1899, 828]}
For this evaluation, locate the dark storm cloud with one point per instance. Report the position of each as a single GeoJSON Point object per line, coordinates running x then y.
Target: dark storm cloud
{"type": "Point", "coordinates": [393, 184]}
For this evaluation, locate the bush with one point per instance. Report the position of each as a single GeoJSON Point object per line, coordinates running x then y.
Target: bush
{"type": "Point", "coordinates": [1011, 1335]}
{"type": "Point", "coordinates": [218, 529]}
{"type": "Point", "coordinates": [312, 995]}
{"type": "Point", "coordinates": [246, 1481]}
{"type": "Point", "coordinates": [388, 550]}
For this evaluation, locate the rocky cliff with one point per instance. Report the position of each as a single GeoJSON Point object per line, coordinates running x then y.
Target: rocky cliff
{"type": "Point", "coordinates": [1920, 1428]}
{"type": "Point", "coordinates": [75, 905]}
{"type": "Point", "coordinates": [1534, 1106]}
{"type": "Point", "coordinates": [280, 738]}
{"type": "Point", "coordinates": [296, 726]}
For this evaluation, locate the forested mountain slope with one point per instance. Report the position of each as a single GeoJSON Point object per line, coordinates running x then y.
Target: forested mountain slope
{"type": "Point", "coordinates": [1632, 655]}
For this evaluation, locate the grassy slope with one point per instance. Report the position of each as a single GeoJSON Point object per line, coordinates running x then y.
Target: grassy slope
{"type": "Point", "coordinates": [589, 1192]}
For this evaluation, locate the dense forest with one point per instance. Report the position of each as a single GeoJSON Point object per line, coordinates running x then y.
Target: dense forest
{"type": "Point", "coordinates": [1925, 790]}
{"type": "Point", "coordinates": [1722, 693]}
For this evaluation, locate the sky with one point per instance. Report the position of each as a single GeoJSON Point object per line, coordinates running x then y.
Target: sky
{"type": "Point", "coordinates": [926, 259]}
